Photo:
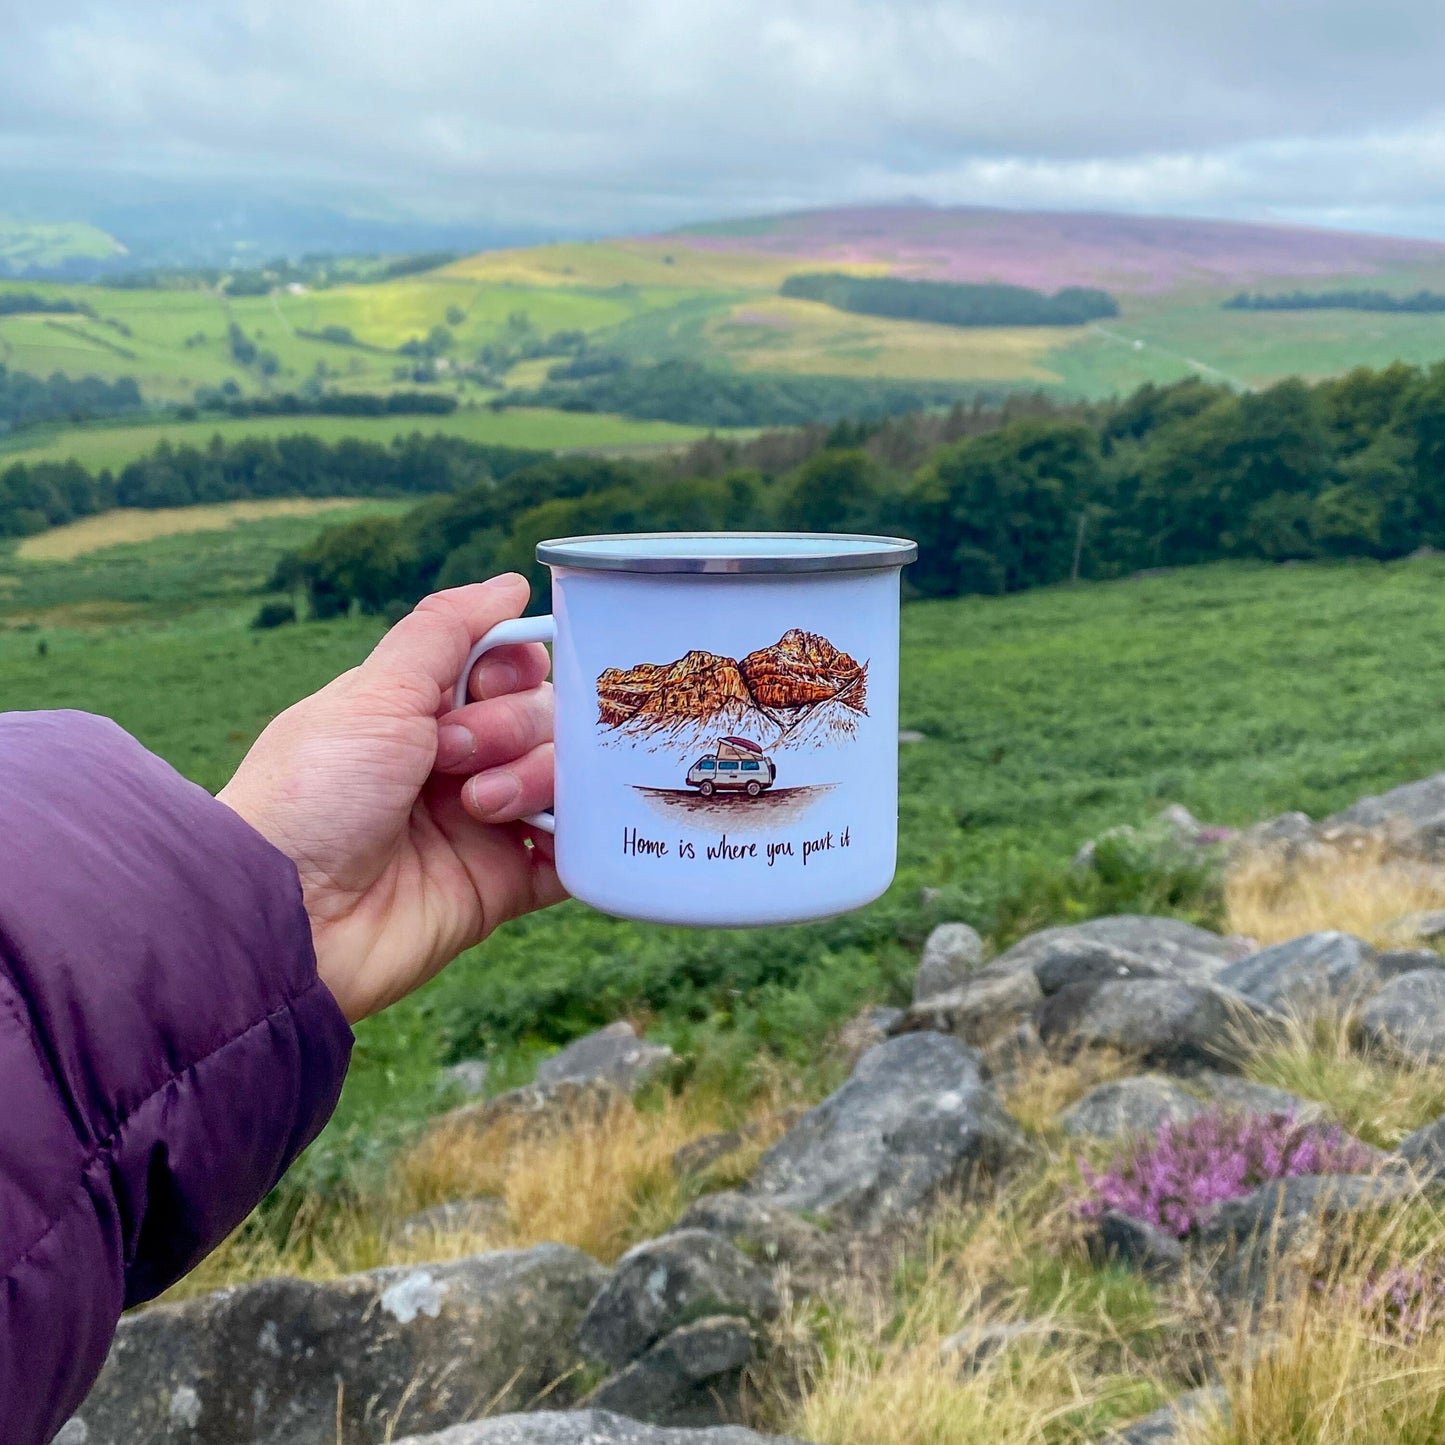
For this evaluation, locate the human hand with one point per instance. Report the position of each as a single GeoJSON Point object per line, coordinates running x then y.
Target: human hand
{"type": "Point", "coordinates": [399, 813]}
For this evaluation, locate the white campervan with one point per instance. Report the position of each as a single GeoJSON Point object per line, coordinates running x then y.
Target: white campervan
{"type": "Point", "coordinates": [735, 765]}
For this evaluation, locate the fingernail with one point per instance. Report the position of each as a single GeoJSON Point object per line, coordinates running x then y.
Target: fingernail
{"type": "Point", "coordinates": [492, 679]}
{"type": "Point", "coordinates": [455, 744]}
{"type": "Point", "coordinates": [490, 793]}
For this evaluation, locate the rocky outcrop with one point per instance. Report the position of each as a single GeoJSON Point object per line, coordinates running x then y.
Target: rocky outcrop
{"type": "Point", "coordinates": [1166, 1022]}
{"type": "Point", "coordinates": [1307, 974]}
{"type": "Point", "coordinates": [1171, 946]}
{"type": "Point", "coordinates": [668, 1282]}
{"type": "Point", "coordinates": [1412, 817]}
{"type": "Point", "coordinates": [951, 954]}
{"type": "Point", "coordinates": [1407, 1017]}
{"type": "Point", "coordinates": [1131, 1106]}
{"type": "Point", "coordinates": [914, 1120]}
{"type": "Point", "coordinates": [613, 1055]}
{"type": "Point", "coordinates": [692, 1376]}
{"type": "Point", "coordinates": [288, 1361]}
{"type": "Point", "coordinates": [977, 1011]}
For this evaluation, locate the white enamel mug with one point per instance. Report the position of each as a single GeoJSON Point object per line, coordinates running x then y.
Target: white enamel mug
{"type": "Point", "coordinates": [726, 722]}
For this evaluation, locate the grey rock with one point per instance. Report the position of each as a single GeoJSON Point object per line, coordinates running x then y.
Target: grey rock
{"type": "Point", "coordinates": [1407, 1017]}
{"type": "Point", "coordinates": [911, 735]}
{"type": "Point", "coordinates": [1119, 1237]}
{"type": "Point", "coordinates": [535, 1111]}
{"type": "Point", "coordinates": [1307, 973]}
{"type": "Point", "coordinates": [970, 1349]}
{"type": "Point", "coordinates": [486, 1214]}
{"type": "Point", "coordinates": [1179, 948]}
{"type": "Point", "coordinates": [692, 1376]}
{"type": "Point", "coordinates": [1167, 1022]}
{"type": "Point", "coordinates": [915, 1120]}
{"type": "Point", "coordinates": [1172, 1424]}
{"type": "Point", "coordinates": [614, 1055]}
{"type": "Point", "coordinates": [667, 1282]}
{"type": "Point", "coordinates": [1424, 1151]}
{"type": "Point", "coordinates": [1413, 928]}
{"type": "Point", "coordinates": [1395, 961]}
{"type": "Point", "coordinates": [469, 1077]}
{"type": "Point", "coordinates": [586, 1427]}
{"type": "Point", "coordinates": [1130, 1106]}
{"type": "Point", "coordinates": [1086, 960]}
{"type": "Point", "coordinates": [1247, 1238]}
{"type": "Point", "coordinates": [1288, 837]}
{"type": "Point", "coordinates": [1412, 815]}
{"type": "Point", "coordinates": [978, 1011]}
{"type": "Point", "coordinates": [1228, 1091]}
{"type": "Point", "coordinates": [764, 1232]}
{"type": "Point", "coordinates": [1012, 1052]}
{"type": "Point", "coordinates": [953, 951]}
{"type": "Point", "coordinates": [404, 1348]}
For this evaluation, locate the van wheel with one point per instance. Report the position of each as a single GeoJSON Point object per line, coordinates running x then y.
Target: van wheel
{"type": "Point", "coordinates": [754, 788]}
{"type": "Point", "coordinates": [707, 787]}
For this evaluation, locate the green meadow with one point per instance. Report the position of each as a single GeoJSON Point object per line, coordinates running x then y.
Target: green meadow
{"type": "Point", "coordinates": [97, 446]}
{"type": "Point", "coordinates": [659, 300]}
{"type": "Point", "coordinates": [1047, 716]}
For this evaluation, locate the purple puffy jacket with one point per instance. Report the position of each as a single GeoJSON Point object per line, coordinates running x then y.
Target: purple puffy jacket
{"type": "Point", "coordinates": [166, 1048]}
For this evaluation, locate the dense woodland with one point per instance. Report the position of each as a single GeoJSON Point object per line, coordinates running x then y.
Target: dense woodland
{"type": "Point", "coordinates": [949, 303]}
{"type": "Point", "coordinates": [1361, 300]}
{"type": "Point", "coordinates": [1351, 467]}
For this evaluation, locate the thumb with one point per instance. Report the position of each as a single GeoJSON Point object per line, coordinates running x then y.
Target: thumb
{"type": "Point", "coordinates": [429, 646]}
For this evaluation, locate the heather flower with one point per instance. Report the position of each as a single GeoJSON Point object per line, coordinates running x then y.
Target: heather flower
{"type": "Point", "coordinates": [1407, 1300]}
{"type": "Point", "coordinates": [1174, 1179]}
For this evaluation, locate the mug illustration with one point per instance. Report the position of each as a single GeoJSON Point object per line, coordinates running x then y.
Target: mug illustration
{"type": "Point", "coordinates": [735, 763]}
{"type": "Point", "coordinates": [800, 693]}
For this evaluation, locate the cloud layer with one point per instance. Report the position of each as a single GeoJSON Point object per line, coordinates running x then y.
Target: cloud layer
{"type": "Point", "coordinates": [581, 116]}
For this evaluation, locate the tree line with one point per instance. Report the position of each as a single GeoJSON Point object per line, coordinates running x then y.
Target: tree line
{"type": "Point", "coordinates": [31, 303]}
{"type": "Point", "coordinates": [950, 303]}
{"type": "Point", "coordinates": [684, 391]}
{"type": "Point", "coordinates": [26, 400]}
{"type": "Point", "coordinates": [37, 495]}
{"type": "Point", "coordinates": [1359, 300]}
{"type": "Point", "coordinates": [1171, 475]}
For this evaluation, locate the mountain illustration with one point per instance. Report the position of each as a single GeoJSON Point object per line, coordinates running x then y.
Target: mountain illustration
{"type": "Point", "coordinates": [801, 689]}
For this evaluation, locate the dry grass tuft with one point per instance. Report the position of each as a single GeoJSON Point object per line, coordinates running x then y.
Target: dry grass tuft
{"type": "Point", "coordinates": [602, 1184]}
{"type": "Point", "coordinates": [1337, 1368]}
{"type": "Point", "coordinates": [1374, 1096]}
{"type": "Point", "coordinates": [1039, 1092]}
{"type": "Point", "coordinates": [1358, 889]}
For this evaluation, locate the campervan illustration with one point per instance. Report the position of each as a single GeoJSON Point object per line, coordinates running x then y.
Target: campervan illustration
{"type": "Point", "coordinates": [734, 765]}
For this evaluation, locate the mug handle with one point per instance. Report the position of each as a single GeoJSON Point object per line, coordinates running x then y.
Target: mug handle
{"type": "Point", "coordinates": [520, 629]}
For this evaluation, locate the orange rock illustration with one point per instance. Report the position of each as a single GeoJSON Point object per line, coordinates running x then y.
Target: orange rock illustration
{"type": "Point", "coordinates": [800, 681]}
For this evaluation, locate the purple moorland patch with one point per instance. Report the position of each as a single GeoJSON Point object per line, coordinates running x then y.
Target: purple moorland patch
{"type": "Point", "coordinates": [1173, 1179]}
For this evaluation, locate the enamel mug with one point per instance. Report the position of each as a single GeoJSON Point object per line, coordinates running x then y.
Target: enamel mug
{"type": "Point", "coordinates": [727, 722]}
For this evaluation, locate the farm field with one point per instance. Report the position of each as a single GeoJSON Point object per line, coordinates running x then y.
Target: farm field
{"type": "Point", "coordinates": [99, 446]}
{"type": "Point", "coordinates": [1047, 716]}
{"type": "Point", "coordinates": [710, 295]}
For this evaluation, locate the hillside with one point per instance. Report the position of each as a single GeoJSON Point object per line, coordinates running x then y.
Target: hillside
{"type": "Point", "coordinates": [1037, 721]}
{"type": "Point", "coordinates": [495, 324]}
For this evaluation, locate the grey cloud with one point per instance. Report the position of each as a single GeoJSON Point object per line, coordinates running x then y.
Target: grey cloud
{"type": "Point", "coordinates": [589, 115]}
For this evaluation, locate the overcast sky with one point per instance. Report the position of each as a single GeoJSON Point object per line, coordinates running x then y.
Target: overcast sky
{"type": "Point", "coordinates": [593, 116]}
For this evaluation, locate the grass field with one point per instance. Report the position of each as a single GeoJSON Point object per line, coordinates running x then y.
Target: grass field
{"type": "Point", "coordinates": [114, 446]}
{"type": "Point", "coordinates": [670, 297]}
{"type": "Point", "coordinates": [1238, 691]}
